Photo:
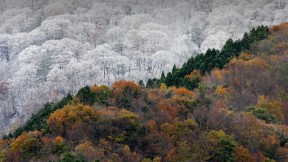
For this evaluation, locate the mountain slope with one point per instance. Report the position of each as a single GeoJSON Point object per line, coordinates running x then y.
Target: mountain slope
{"type": "Point", "coordinates": [51, 48]}
{"type": "Point", "coordinates": [237, 113]}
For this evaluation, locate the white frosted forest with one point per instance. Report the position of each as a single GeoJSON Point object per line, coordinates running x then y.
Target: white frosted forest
{"type": "Point", "coordinates": [49, 48]}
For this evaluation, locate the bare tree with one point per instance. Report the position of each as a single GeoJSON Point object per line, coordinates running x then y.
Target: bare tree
{"type": "Point", "coordinates": [197, 36]}
{"type": "Point", "coordinates": [4, 52]}
{"type": "Point", "coordinates": [3, 5]}
{"type": "Point", "coordinates": [281, 4]}
{"type": "Point", "coordinates": [205, 5]}
{"type": "Point", "coordinates": [3, 89]}
{"type": "Point", "coordinates": [32, 5]}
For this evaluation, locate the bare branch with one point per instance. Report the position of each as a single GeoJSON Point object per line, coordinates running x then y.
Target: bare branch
{"type": "Point", "coordinates": [3, 88]}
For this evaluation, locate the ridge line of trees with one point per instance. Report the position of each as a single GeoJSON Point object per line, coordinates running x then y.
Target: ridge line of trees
{"type": "Point", "coordinates": [206, 62]}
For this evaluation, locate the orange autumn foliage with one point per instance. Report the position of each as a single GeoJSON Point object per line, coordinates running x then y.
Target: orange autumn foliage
{"type": "Point", "coordinates": [282, 154]}
{"type": "Point", "coordinates": [194, 74]}
{"type": "Point", "coordinates": [242, 154]}
{"type": "Point", "coordinates": [219, 104]}
{"type": "Point", "coordinates": [245, 56]}
{"type": "Point", "coordinates": [182, 91]}
{"type": "Point", "coordinates": [22, 145]}
{"type": "Point", "coordinates": [94, 88]}
{"type": "Point", "coordinates": [249, 128]}
{"type": "Point", "coordinates": [47, 140]}
{"type": "Point", "coordinates": [169, 108]}
{"type": "Point", "coordinates": [58, 140]}
{"type": "Point", "coordinates": [272, 140]}
{"type": "Point", "coordinates": [163, 86]}
{"type": "Point", "coordinates": [245, 79]}
{"type": "Point", "coordinates": [155, 95]}
{"type": "Point", "coordinates": [216, 77]}
{"type": "Point", "coordinates": [275, 58]}
{"type": "Point", "coordinates": [151, 125]}
{"type": "Point", "coordinates": [258, 157]}
{"type": "Point", "coordinates": [67, 117]}
{"type": "Point", "coordinates": [253, 63]}
{"type": "Point", "coordinates": [272, 106]}
{"type": "Point", "coordinates": [110, 114]}
{"type": "Point", "coordinates": [106, 113]}
{"type": "Point", "coordinates": [171, 154]}
{"type": "Point", "coordinates": [258, 62]}
{"type": "Point", "coordinates": [218, 74]}
{"type": "Point", "coordinates": [4, 144]}
{"type": "Point", "coordinates": [88, 151]}
{"type": "Point", "coordinates": [280, 48]}
{"type": "Point", "coordinates": [221, 91]}
{"type": "Point", "coordinates": [56, 121]}
{"type": "Point", "coordinates": [277, 28]}
{"type": "Point", "coordinates": [120, 86]}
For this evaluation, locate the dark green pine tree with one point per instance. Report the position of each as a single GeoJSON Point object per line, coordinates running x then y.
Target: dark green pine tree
{"type": "Point", "coordinates": [245, 42]}
{"type": "Point", "coordinates": [86, 96]}
{"type": "Point", "coordinates": [162, 79]}
{"type": "Point", "coordinates": [169, 81]}
{"type": "Point", "coordinates": [150, 84]}
{"type": "Point", "coordinates": [141, 84]}
{"type": "Point", "coordinates": [174, 69]}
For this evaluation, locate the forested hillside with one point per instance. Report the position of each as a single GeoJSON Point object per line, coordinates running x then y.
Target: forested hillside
{"type": "Point", "coordinates": [237, 112]}
{"type": "Point", "coordinates": [50, 48]}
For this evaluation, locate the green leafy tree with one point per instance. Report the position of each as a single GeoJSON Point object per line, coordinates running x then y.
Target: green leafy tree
{"type": "Point", "coordinates": [86, 96]}
{"type": "Point", "coordinates": [220, 147]}
{"type": "Point", "coordinates": [262, 114]}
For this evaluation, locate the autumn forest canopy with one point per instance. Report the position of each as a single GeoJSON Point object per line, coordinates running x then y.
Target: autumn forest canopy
{"type": "Point", "coordinates": [222, 105]}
